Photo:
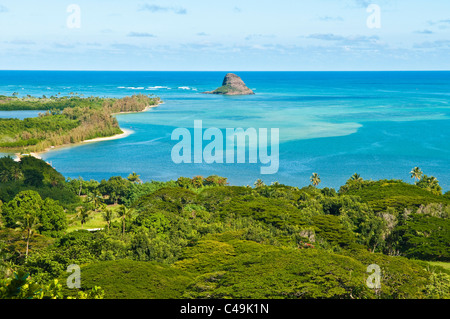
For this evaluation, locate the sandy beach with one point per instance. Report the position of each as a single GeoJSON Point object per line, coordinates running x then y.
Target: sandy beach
{"type": "Point", "coordinates": [126, 132]}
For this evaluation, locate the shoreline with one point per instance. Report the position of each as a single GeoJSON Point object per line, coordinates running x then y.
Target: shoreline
{"type": "Point", "coordinates": [126, 133]}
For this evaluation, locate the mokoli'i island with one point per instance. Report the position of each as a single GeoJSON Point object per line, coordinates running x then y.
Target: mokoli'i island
{"type": "Point", "coordinates": [232, 85]}
{"type": "Point", "coordinates": [132, 177]}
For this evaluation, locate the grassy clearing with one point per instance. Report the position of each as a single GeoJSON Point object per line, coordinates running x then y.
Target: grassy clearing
{"type": "Point", "coordinates": [95, 221]}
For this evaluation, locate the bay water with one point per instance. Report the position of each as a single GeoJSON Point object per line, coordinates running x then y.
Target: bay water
{"type": "Point", "coordinates": [377, 124]}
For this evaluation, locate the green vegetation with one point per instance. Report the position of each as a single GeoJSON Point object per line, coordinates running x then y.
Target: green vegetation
{"type": "Point", "coordinates": [129, 279]}
{"type": "Point", "coordinates": [66, 120]}
{"type": "Point", "coordinates": [35, 175]}
{"type": "Point", "coordinates": [223, 89]}
{"type": "Point", "coordinates": [392, 193]}
{"type": "Point", "coordinates": [20, 286]}
{"type": "Point", "coordinates": [200, 238]}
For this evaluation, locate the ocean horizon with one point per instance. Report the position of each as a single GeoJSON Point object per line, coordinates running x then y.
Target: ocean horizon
{"type": "Point", "coordinates": [379, 124]}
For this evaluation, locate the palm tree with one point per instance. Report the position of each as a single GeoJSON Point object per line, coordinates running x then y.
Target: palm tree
{"type": "Point", "coordinates": [5, 176]}
{"type": "Point", "coordinates": [108, 216]}
{"type": "Point", "coordinates": [134, 178]}
{"type": "Point", "coordinates": [95, 199]}
{"type": "Point", "coordinates": [54, 181]}
{"type": "Point", "coordinates": [84, 214]}
{"type": "Point", "coordinates": [430, 183]}
{"type": "Point", "coordinates": [15, 173]}
{"type": "Point", "coordinates": [124, 213]}
{"type": "Point", "coordinates": [29, 223]}
{"type": "Point", "coordinates": [416, 173]}
{"type": "Point", "coordinates": [356, 177]}
{"type": "Point", "coordinates": [259, 183]}
{"type": "Point", "coordinates": [315, 179]}
{"type": "Point", "coordinates": [80, 179]}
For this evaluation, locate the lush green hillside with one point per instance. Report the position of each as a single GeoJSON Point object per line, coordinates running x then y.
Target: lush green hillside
{"type": "Point", "coordinates": [226, 267]}
{"type": "Point", "coordinates": [199, 238]}
{"type": "Point", "coordinates": [128, 279]}
{"type": "Point", "coordinates": [393, 193]}
{"type": "Point", "coordinates": [33, 174]}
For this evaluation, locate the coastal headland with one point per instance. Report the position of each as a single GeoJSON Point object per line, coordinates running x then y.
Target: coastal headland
{"type": "Point", "coordinates": [66, 121]}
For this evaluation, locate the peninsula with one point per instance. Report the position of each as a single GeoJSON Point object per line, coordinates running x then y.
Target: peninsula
{"type": "Point", "coordinates": [232, 85]}
{"type": "Point", "coordinates": [65, 120]}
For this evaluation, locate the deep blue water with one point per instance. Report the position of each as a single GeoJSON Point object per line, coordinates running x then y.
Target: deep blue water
{"type": "Point", "coordinates": [378, 124]}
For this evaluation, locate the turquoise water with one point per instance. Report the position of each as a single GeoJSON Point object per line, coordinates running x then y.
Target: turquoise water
{"type": "Point", "coordinates": [378, 124]}
{"type": "Point", "coordinates": [19, 114]}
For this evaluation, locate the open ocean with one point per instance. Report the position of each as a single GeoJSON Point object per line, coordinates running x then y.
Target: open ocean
{"type": "Point", "coordinates": [377, 124]}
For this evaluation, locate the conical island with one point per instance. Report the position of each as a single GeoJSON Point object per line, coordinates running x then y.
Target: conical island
{"type": "Point", "coordinates": [232, 85]}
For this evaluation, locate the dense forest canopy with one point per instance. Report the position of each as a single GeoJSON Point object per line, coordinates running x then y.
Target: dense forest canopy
{"type": "Point", "coordinates": [201, 238]}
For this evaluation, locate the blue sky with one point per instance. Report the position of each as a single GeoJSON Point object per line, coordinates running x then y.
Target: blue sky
{"type": "Point", "coordinates": [225, 35]}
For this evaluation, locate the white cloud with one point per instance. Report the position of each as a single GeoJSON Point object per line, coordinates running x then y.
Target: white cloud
{"type": "Point", "coordinates": [329, 18]}
{"type": "Point", "coordinates": [155, 8]}
{"type": "Point", "coordinates": [355, 39]}
{"type": "Point", "coordinates": [141, 35]}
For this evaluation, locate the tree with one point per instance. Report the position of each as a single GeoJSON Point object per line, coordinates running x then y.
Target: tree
{"type": "Point", "coordinates": [95, 199]}
{"type": "Point", "coordinates": [117, 185]}
{"type": "Point", "coordinates": [84, 214]}
{"type": "Point", "coordinates": [215, 180]}
{"type": "Point", "coordinates": [33, 177]}
{"type": "Point", "coordinates": [113, 198]}
{"type": "Point", "coordinates": [80, 179]}
{"type": "Point", "coordinates": [54, 181]}
{"type": "Point", "coordinates": [416, 173]}
{"type": "Point", "coordinates": [423, 237]}
{"type": "Point", "coordinates": [108, 216]}
{"type": "Point", "coordinates": [24, 202]}
{"type": "Point", "coordinates": [16, 173]}
{"type": "Point", "coordinates": [184, 182]}
{"type": "Point", "coordinates": [315, 179]}
{"type": "Point", "coordinates": [5, 177]}
{"type": "Point", "coordinates": [28, 222]}
{"type": "Point", "coordinates": [197, 181]}
{"type": "Point", "coordinates": [431, 184]}
{"type": "Point", "coordinates": [259, 183]}
{"type": "Point", "coordinates": [134, 178]}
{"type": "Point", "coordinates": [356, 177]}
{"type": "Point", "coordinates": [52, 217]}
{"type": "Point", "coordinates": [50, 214]}
{"type": "Point", "coordinates": [11, 173]}
{"type": "Point", "coordinates": [124, 213]}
